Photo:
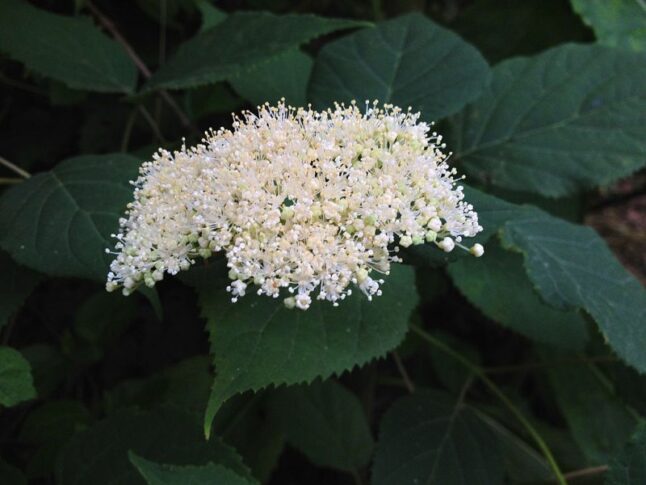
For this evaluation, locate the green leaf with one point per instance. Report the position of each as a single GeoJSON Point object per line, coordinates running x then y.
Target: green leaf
{"type": "Point", "coordinates": [428, 438]}
{"type": "Point", "coordinates": [283, 76]}
{"type": "Point", "coordinates": [599, 421]}
{"type": "Point", "coordinates": [563, 121]}
{"type": "Point", "coordinates": [245, 423]}
{"type": "Point", "coordinates": [16, 383]}
{"type": "Point", "coordinates": [571, 266]}
{"type": "Point", "coordinates": [259, 342]}
{"type": "Point", "coordinates": [619, 23]}
{"type": "Point", "coordinates": [629, 466]}
{"type": "Point", "coordinates": [59, 222]}
{"type": "Point", "coordinates": [16, 285]}
{"type": "Point", "coordinates": [47, 429]}
{"type": "Point", "coordinates": [54, 421]}
{"type": "Point", "coordinates": [241, 41]}
{"type": "Point", "coordinates": [159, 474]}
{"type": "Point", "coordinates": [326, 422]}
{"type": "Point", "coordinates": [103, 317]}
{"type": "Point", "coordinates": [184, 385]}
{"type": "Point", "coordinates": [498, 278]}
{"type": "Point", "coordinates": [99, 455]}
{"type": "Point", "coordinates": [523, 463]}
{"type": "Point", "coordinates": [211, 15]}
{"type": "Point", "coordinates": [69, 49]}
{"type": "Point", "coordinates": [408, 61]}
{"type": "Point", "coordinates": [48, 367]}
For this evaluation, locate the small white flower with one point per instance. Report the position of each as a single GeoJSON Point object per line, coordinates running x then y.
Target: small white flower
{"type": "Point", "coordinates": [477, 250]}
{"type": "Point", "coordinates": [447, 244]}
{"type": "Point", "coordinates": [299, 201]}
{"type": "Point", "coordinates": [303, 301]}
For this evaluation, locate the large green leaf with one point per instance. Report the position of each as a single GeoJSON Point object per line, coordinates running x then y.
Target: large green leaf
{"type": "Point", "coordinates": [241, 41]}
{"type": "Point", "coordinates": [498, 285]}
{"type": "Point", "coordinates": [283, 76]}
{"type": "Point", "coordinates": [408, 61]}
{"type": "Point", "coordinates": [47, 429]}
{"type": "Point", "coordinates": [69, 49]}
{"type": "Point", "coordinates": [16, 284]}
{"type": "Point", "coordinates": [160, 474]}
{"type": "Point", "coordinates": [428, 438]}
{"type": "Point", "coordinates": [326, 422]}
{"type": "Point", "coordinates": [16, 382]}
{"type": "Point", "coordinates": [571, 266]}
{"type": "Point", "coordinates": [599, 421]}
{"type": "Point", "coordinates": [629, 466]}
{"type": "Point", "coordinates": [566, 120]}
{"type": "Point", "coordinates": [615, 22]}
{"type": "Point", "coordinates": [258, 341]}
{"type": "Point", "coordinates": [59, 222]}
{"type": "Point", "coordinates": [99, 455]}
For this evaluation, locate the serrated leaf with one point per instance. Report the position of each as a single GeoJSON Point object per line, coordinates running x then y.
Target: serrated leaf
{"type": "Point", "coordinates": [563, 121]}
{"type": "Point", "coordinates": [407, 61]}
{"type": "Point", "coordinates": [16, 382]}
{"type": "Point", "coordinates": [59, 222]}
{"type": "Point", "coordinates": [162, 474]}
{"type": "Point", "coordinates": [619, 23]}
{"type": "Point", "coordinates": [241, 41]}
{"type": "Point", "coordinates": [629, 466]}
{"type": "Point", "coordinates": [259, 342]}
{"type": "Point", "coordinates": [498, 278]}
{"type": "Point", "coordinates": [428, 438]}
{"type": "Point", "coordinates": [599, 421]}
{"type": "Point", "coordinates": [69, 49]}
{"type": "Point", "coordinates": [99, 455]}
{"type": "Point", "coordinates": [283, 76]}
{"type": "Point", "coordinates": [16, 285]}
{"type": "Point", "coordinates": [325, 422]}
{"type": "Point", "coordinates": [571, 266]}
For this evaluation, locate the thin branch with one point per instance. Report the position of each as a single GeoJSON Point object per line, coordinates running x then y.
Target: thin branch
{"type": "Point", "coordinates": [14, 168]}
{"type": "Point", "coordinates": [153, 124]}
{"type": "Point", "coordinates": [10, 181]}
{"type": "Point", "coordinates": [127, 132]}
{"type": "Point", "coordinates": [161, 54]}
{"type": "Point", "coordinates": [478, 372]}
{"type": "Point", "coordinates": [20, 85]}
{"type": "Point", "coordinates": [503, 369]}
{"type": "Point", "coordinates": [402, 371]}
{"type": "Point", "coordinates": [110, 27]}
{"type": "Point", "coordinates": [586, 472]}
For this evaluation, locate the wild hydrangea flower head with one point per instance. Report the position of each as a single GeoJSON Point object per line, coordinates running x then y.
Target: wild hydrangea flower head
{"type": "Point", "coordinates": [311, 203]}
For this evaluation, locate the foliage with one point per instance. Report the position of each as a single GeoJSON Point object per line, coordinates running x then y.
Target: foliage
{"type": "Point", "coordinates": [518, 367]}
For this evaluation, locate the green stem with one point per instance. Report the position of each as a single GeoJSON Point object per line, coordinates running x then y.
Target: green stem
{"type": "Point", "coordinates": [14, 168]}
{"type": "Point", "coordinates": [478, 372]}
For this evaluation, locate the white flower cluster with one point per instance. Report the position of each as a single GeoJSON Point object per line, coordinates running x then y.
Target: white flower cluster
{"type": "Point", "coordinates": [312, 202]}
